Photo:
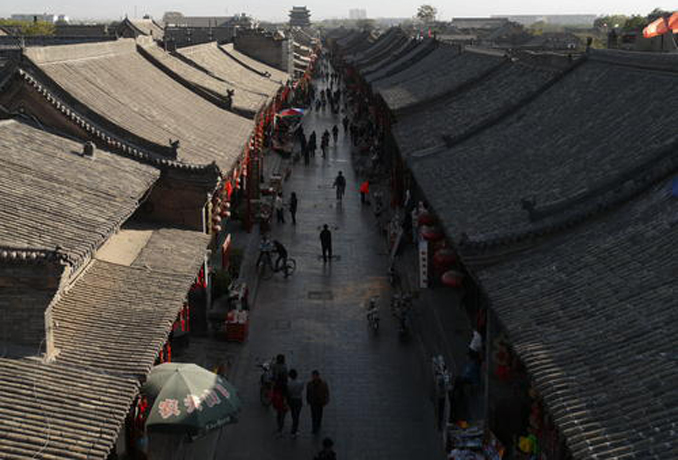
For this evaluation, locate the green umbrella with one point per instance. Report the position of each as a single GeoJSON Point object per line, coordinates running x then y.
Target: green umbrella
{"type": "Point", "coordinates": [188, 398]}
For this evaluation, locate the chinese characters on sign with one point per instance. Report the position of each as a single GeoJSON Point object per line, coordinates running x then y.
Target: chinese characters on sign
{"type": "Point", "coordinates": [170, 407]}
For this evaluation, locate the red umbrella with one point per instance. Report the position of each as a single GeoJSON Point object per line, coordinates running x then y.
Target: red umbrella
{"type": "Point", "coordinates": [452, 278]}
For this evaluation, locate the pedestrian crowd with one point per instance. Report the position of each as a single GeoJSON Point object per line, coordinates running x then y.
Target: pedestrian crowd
{"type": "Point", "coordinates": [288, 394]}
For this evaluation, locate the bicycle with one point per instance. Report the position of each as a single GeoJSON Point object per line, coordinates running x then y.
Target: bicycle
{"type": "Point", "coordinates": [267, 269]}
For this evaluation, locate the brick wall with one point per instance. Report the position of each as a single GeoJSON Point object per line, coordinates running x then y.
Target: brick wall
{"type": "Point", "coordinates": [177, 201]}
{"type": "Point", "coordinates": [26, 289]}
{"type": "Point", "coordinates": [263, 48]}
{"type": "Point", "coordinates": [179, 37]}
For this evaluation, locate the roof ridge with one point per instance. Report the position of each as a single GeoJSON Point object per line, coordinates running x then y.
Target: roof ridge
{"type": "Point", "coordinates": [114, 143]}
{"type": "Point", "coordinates": [664, 62]}
{"type": "Point", "coordinates": [631, 183]}
{"type": "Point", "coordinates": [33, 255]}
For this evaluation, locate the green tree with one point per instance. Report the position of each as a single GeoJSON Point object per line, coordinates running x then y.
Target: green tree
{"type": "Point", "coordinates": [29, 28]}
{"type": "Point", "coordinates": [657, 13]}
{"type": "Point", "coordinates": [635, 22]}
{"type": "Point", "coordinates": [610, 21]}
{"type": "Point", "coordinates": [427, 14]}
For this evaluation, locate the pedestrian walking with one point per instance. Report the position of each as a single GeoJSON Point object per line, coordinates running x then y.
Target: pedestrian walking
{"type": "Point", "coordinates": [340, 184]}
{"type": "Point", "coordinates": [279, 393]}
{"type": "Point", "coordinates": [335, 133]}
{"type": "Point", "coordinates": [326, 242]}
{"type": "Point", "coordinates": [364, 191]}
{"type": "Point", "coordinates": [279, 209]}
{"type": "Point", "coordinates": [295, 392]}
{"type": "Point", "coordinates": [328, 452]}
{"type": "Point", "coordinates": [345, 122]}
{"type": "Point", "coordinates": [293, 207]}
{"type": "Point", "coordinates": [312, 143]}
{"type": "Point", "coordinates": [324, 143]}
{"type": "Point", "coordinates": [317, 397]}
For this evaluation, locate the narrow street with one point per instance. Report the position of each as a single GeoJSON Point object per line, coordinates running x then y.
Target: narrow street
{"type": "Point", "coordinates": [379, 402]}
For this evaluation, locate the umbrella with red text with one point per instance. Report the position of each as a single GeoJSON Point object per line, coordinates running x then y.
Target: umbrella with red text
{"type": "Point", "coordinates": [188, 398]}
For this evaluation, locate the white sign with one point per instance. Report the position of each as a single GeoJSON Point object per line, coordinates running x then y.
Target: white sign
{"type": "Point", "coordinates": [423, 263]}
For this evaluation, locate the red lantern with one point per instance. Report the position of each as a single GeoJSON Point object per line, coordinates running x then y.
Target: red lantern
{"type": "Point", "coordinates": [425, 218]}
{"type": "Point", "coordinates": [226, 209]}
{"type": "Point", "coordinates": [452, 278]}
{"type": "Point", "coordinates": [431, 233]}
{"type": "Point", "coordinates": [444, 258]}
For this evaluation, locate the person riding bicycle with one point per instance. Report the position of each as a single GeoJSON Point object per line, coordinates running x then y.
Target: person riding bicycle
{"type": "Point", "coordinates": [282, 255]}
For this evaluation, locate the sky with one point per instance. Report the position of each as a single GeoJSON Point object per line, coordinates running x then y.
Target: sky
{"type": "Point", "coordinates": [276, 10]}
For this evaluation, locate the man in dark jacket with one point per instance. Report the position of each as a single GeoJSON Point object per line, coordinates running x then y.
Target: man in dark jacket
{"type": "Point", "coordinates": [317, 397]}
{"type": "Point", "coordinates": [326, 242]}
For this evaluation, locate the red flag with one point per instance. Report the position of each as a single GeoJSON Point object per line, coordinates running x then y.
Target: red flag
{"type": "Point", "coordinates": [673, 22]}
{"type": "Point", "coordinates": [655, 28]}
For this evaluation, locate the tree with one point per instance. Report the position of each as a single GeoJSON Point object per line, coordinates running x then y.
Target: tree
{"type": "Point", "coordinates": [427, 14]}
{"type": "Point", "coordinates": [635, 22]}
{"type": "Point", "coordinates": [610, 21]}
{"type": "Point", "coordinates": [28, 27]}
{"type": "Point", "coordinates": [657, 13]}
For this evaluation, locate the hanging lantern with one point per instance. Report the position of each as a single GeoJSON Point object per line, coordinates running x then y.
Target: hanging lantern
{"type": "Point", "coordinates": [216, 229]}
{"type": "Point", "coordinates": [226, 209]}
{"type": "Point", "coordinates": [216, 218]}
{"type": "Point", "coordinates": [452, 278]}
{"type": "Point", "coordinates": [431, 233]}
{"type": "Point", "coordinates": [444, 258]}
{"type": "Point", "coordinates": [425, 218]}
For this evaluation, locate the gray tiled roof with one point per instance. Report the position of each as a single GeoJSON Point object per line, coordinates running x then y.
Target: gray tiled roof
{"type": "Point", "coordinates": [437, 74]}
{"type": "Point", "coordinates": [210, 57]}
{"type": "Point", "coordinates": [436, 79]}
{"type": "Point", "coordinates": [391, 51]}
{"type": "Point", "coordinates": [455, 115]}
{"type": "Point", "coordinates": [406, 60]}
{"type": "Point", "coordinates": [579, 137]}
{"type": "Point", "coordinates": [386, 40]}
{"type": "Point", "coordinates": [118, 84]}
{"type": "Point", "coordinates": [173, 249]}
{"type": "Point", "coordinates": [116, 318]}
{"type": "Point", "coordinates": [390, 56]}
{"type": "Point", "coordinates": [592, 313]}
{"type": "Point", "coordinates": [148, 27]}
{"type": "Point", "coordinates": [275, 74]}
{"type": "Point", "coordinates": [242, 99]}
{"type": "Point", "coordinates": [54, 411]}
{"type": "Point", "coordinates": [357, 42]}
{"type": "Point", "coordinates": [52, 196]}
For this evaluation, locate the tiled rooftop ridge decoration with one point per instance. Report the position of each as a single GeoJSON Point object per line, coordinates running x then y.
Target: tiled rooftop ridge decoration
{"type": "Point", "coordinates": [113, 142]}
{"type": "Point", "coordinates": [32, 255]}
{"type": "Point", "coordinates": [122, 91]}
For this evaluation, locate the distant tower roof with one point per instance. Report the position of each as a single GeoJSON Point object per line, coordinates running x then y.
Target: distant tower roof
{"type": "Point", "coordinates": [300, 16]}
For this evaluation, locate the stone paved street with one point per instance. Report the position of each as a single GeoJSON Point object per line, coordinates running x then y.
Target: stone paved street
{"type": "Point", "coordinates": [380, 407]}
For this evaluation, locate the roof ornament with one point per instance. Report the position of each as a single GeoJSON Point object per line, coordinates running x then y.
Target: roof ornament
{"type": "Point", "coordinates": [174, 145]}
{"type": "Point", "coordinates": [229, 98]}
{"type": "Point", "coordinates": [88, 149]}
